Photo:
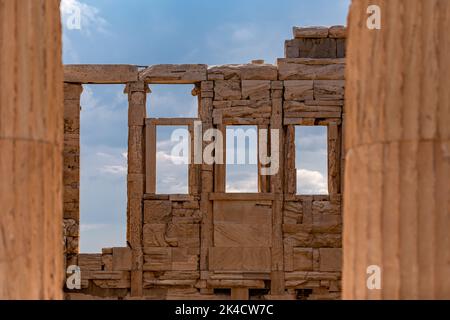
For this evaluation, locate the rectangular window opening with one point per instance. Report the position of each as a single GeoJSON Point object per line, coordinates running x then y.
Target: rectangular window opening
{"type": "Point", "coordinates": [172, 159]}
{"type": "Point", "coordinates": [311, 160]}
{"type": "Point", "coordinates": [172, 101]}
{"type": "Point", "coordinates": [241, 159]}
{"type": "Point", "coordinates": [103, 167]}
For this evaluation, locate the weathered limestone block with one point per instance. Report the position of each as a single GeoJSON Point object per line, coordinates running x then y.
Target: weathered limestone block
{"type": "Point", "coordinates": [327, 223]}
{"type": "Point", "coordinates": [154, 235]}
{"type": "Point", "coordinates": [172, 73]}
{"type": "Point", "coordinates": [292, 48]}
{"type": "Point", "coordinates": [338, 32]}
{"type": "Point", "coordinates": [318, 48]}
{"type": "Point", "coordinates": [157, 259]}
{"type": "Point", "coordinates": [325, 103]}
{"type": "Point", "coordinates": [311, 69]}
{"type": "Point", "coordinates": [292, 212]}
{"type": "Point", "coordinates": [136, 108]}
{"type": "Point", "coordinates": [85, 73]}
{"type": "Point", "coordinates": [186, 235]}
{"type": "Point", "coordinates": [277, 85]}
{"type": "Point", "coordinates": [341, 46]}
{"type": "Point", "coordinates": [310, 32]}
{"type": "Point", "coordinates": [238, 258]}
{"type": "Point", "coordinates": [227, 90]}
{"type": "Point", "coordinates": [177, 275]}
{"type": "Point", "coordinates": [244, 112]}
{"type": "Point", "coordinates": [326, 207]}
{"type": "Point", "coordinates": [136, 86]}
{"type": "Point", "coordinates": [72, 126]}
{"type": "Point", "coordinates": [90, 262]}
{"type": "Point", "coordinates": [330, 259]}
{"type": "Point", "coordinates": [71, 245]}
{"type": "Point", "coordinates": [106, 275]}
{"type": "Point", "coordinates": [256, 284]}
{"type": "Point", "coordinates": [185, 259]}
{"type": "Point", "coordinates": [225, 72]}
{"type": "Point", "coordinates": [259, 72]}
{"type": "Point", "coordinates": [107, 262]}
{"type": "Point", "coordinates": [298, 235]}
{"type": "Point", "coordinates": [72, 110]}
{"type": "Point", "coordinates": [255, 104]}
{"type": "Point", "coordinates": [191, 205]}
{"type": "Point", "coordinates": [72, 91]}
{"type": "Point", "coordinates": [135, 187]}
{"type": "Point", "coordinates": [181, 212]}
{"type": "Point", "coordinates": [243, 72]}
{"type": "Point", "coordinates": [256, 89]}
{"type": "Point", "coordinates": [135, 149]}
{"type": "Point", "coordinates": [302, 259]}
{"type": "Point", "coordinates": [293, 107]}
{"type": "Point", "coordinates": [313, 276]}
{"type": "Point", "coordinates": [71, 228]}
{"type": "Point", "coordinates": [206, 86]}
{"type": "Point", "coordinates": [189, 216]}
{"type": "Point", "coordinates": [299, 90]}
{"type": "Point", "coordinates": [276, 94]}
{"type": "Point", "coordinates": [242, 235]}
{"type": "Point", "coordinates": [242, 212]}
{"type": "Point", "coordinates": [329, 89]}
{"type": "Point", "coordinates": [157, 211]}
{"type": "Point", "coordinates": [113, 284]}
{"type": "Point", "coordinates": [326, 240]}
{"type": "Point", "coordinates": [121, 259]}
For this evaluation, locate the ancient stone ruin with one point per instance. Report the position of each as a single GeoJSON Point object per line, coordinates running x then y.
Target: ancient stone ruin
{"type": "Point", "coordinates": [396, 207]}
{"type": "Point", "coordinates": [211, 244]}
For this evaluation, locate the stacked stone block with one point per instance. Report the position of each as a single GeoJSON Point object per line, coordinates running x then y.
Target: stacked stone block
{"type": "Point", "coordinates": [317, 42]}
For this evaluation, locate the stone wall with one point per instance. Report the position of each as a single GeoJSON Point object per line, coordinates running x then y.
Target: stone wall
{"type": "Point", "coordinates": [211, 244]}
{"type": "Point", "coordinates": [31, 144]}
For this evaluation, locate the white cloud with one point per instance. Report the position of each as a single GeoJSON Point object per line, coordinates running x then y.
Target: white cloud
{"type": "Point", "coordinates": [170, 177]}
{"type": "Point", "coordinates": [241, 34]}
{"type": "Point", "coordinates": [242, 183]}
{"type": "Point", "coordinates": [172, 101]}
{"type": "Point", "coordinates": [311, 182]}
{"type": "Point", "coordinates": [114, 169]}
{"type": "Point", "coordinates": [90, 18]}
{"type": "Point", "coordinates": [92, 226]}
{"type": "Point", "coordinates": [243, 42]}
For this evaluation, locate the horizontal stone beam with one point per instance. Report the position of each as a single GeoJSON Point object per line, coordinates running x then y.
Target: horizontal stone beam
{"type": "Point", "coordinates": [338, 32]}
{"type": "Point", "coordinates": [100, 73]}
{"type": "Point", "coordinates": [311, 69]}
{"type": "Point", "coordinates": [174, 73]}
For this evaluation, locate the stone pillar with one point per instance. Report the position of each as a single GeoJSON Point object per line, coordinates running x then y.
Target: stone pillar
{"type": "Point", "coordinates": [71, 171]}
{"type": "Point", "coordinates": [397, 175]}
{"type": "Point", "coordinates": [31, 142]}
{"type": "Point", "coordinates": [137, 94]}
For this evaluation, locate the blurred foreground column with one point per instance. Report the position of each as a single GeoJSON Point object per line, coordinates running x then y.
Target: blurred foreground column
{"type": "Point", "coordinates": [31, 137]}
{"type": "Point", "coordinates": [396, 203]}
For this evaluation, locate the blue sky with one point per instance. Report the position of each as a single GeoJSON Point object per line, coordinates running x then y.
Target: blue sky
{"type": "Point", "coordinates": [145, 32]}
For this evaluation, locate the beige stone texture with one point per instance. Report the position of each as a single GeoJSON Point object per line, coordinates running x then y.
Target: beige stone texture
{"type": "Point", "coordinates": [397, 176]}
{"type": "Point", "coordinates": [101, 74]}
{"type": "Point", "coordinates": [31, 144]}
{"type": "Point", "coordinates": [171, 73]}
